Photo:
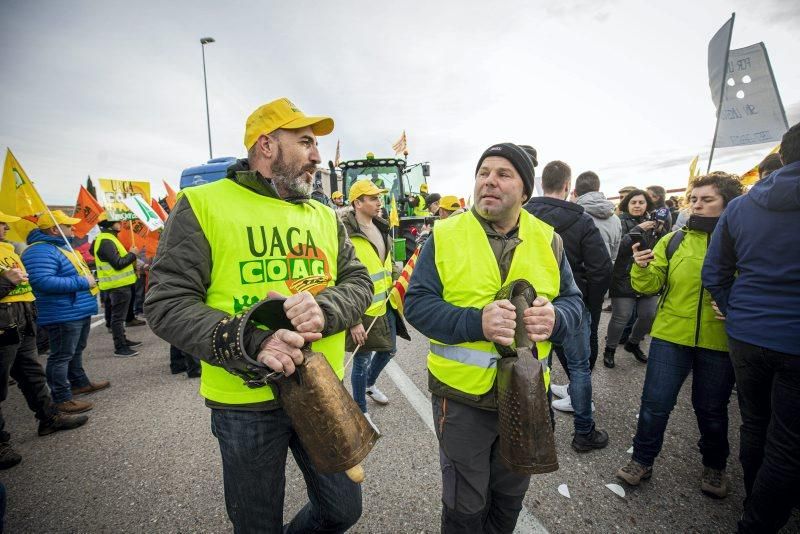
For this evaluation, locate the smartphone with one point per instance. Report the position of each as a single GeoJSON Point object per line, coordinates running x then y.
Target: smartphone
{"type": "Point", "coordinates": [639, 238]}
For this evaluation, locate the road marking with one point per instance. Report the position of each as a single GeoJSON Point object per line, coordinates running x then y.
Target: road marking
{"type": "Point", "coordinates": [527, 522]}
{"type": "Point", "coordinates": [96, 323]}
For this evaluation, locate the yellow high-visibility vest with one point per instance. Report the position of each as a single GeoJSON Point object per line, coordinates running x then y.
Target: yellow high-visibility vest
{"type": "Point", "coordinates": [473, 282]}
{"type": "Point", "coordinates": [107, 276]}
{"type": "Point", "coordinates": [10, 260]}
{"type": "Point", "coordinates": [379, 272]}
{"type": "Point", "coordinates": [261, 244]}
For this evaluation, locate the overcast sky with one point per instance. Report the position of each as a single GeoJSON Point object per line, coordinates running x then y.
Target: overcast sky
{"type": "Point", "coordinates": [115, 89]}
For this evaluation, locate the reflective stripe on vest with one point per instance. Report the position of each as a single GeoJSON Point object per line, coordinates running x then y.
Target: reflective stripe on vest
{"type": "Point", "coordinates": [107, 276]}
{"type": "Point", "coordinates": [379, 272]}
{"type": "Point", "coordinates": [261, 244]}
{"type": "Point", "coordinates": [471, 367]}
{"type": "Point", "coordinates": [10, 260]}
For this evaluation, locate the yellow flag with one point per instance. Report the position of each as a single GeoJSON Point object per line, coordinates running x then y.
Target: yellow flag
{"type": "Point", "coordinates": [394, 220]}
{"type": "Point", "coordinates": [693, 172]}
{"type": "Point", "coordinates": [751, 176]}
{"type": "Point", "coordinates": [19, 197]}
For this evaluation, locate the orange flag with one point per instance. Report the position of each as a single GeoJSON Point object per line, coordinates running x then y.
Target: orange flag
{"type": "Point", "coordinates": [158, 209]}
{"type": "Point", "coordinates": [136, 233]}
{"type": "Point", "coordinates": [172, 197]}
{"type": "Point", "coordinates": [88, 210]}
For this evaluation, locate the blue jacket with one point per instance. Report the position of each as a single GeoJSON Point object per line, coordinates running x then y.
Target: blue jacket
{"type": "Point", "coordinates": [62, 294]}
{"type": "Point", "coordinates": [752, 267]}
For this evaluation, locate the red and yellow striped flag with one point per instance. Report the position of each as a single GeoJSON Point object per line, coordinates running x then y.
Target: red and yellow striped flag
{"type": "Point", "coordinates": [397, 296]}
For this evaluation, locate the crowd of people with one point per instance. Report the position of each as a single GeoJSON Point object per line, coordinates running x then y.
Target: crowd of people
{"type": "Point", "coordinates": [717, 293]}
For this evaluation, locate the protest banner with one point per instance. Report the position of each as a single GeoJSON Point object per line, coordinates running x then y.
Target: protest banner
{"type": "Point", "coordinates": [115, 191]}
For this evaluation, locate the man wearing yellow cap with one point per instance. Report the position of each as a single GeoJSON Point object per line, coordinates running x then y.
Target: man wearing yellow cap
{"type": "Point", "coordinates": [228, 245]}
{"type": "Point", "coordinates": [18, 350]}
{"type": "Point", "coordinates": [448, 206]}
{"type": "Point", "coordinates": [66, 298]}
{"type": "Point", "coordinates": [370, 236]}
{"type": "Point", "coordinates": [419, 201]}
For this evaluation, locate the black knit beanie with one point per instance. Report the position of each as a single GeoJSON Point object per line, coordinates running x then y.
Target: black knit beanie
{"type": "Point", "coordinates": [518, 158]}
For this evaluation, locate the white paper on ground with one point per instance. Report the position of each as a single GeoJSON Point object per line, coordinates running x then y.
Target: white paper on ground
{"type": "Point", "coordinates": [564, 490]}
{"type": "Point", "coordinates": [616, 488]}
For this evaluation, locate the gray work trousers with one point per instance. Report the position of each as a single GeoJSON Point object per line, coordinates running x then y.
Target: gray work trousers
{"type": "Point", "coordinates": [479, 492]}
{"type": "Point", "coordinates": [621, 310]}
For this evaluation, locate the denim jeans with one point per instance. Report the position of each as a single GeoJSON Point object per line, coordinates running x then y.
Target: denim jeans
{"type": "Point", "coordinates": [254, 446]}
{"type": "Point", "coordinates": [368, 366]}
{"type": "Point", "coordinates": [668, 366]}
{"type": "Point", "coordinates": [768, 386]}
{"type": "Point", "coordinates": [65, 363]}
{"type": "Point", "coordinates": [574, 356]}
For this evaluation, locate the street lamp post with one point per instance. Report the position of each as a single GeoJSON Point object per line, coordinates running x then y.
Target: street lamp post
{"type": "Point", "coordinates": [203, 42]}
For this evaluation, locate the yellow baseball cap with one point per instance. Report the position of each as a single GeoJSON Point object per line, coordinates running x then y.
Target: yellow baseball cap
{"type": "Point", "coordinates": [364, 187]}
{"type": "Point", "coordinates": [46, 221]}
{"type": "Point", "coordinates": [423, 188]}
{"type": "Point", "coordinates": [337, 194]}
{"type": "Point", "coordinates": [8, 218]}
{"type": "Point", "coordinates": [282, 113]}
{"type": "Point", "coordinates": [450, 203]}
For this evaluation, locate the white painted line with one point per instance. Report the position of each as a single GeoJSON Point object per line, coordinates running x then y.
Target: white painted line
{"type": "Point", "coordinates": [96, 323]}
{"type": "Point", "coordinates": [526, 523]}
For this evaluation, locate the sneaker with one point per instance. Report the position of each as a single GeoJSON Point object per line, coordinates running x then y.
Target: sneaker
{"type": "Point", "coordinates": [61, 421]}
{"type": "Point", "coordinates": [131, 343]}
{"type": "Point", "coordinates": [596, 439]}
{"type": "Point", "coordinates": [608, 357]}
{"type": "Point", "coordinates": [90, 388]}
{"type": "Point", "coordinates": [135, 322]}
{"type": "Point", "coordinates": [565, 405]}
{"type": "Point", "coordinates": [377, 395]}
{"type": "Point", "coordinates": [8, 456]}
{"type": "Point", "coordinates": [634, 349]}
{"type": "Point", "coordinates": [634, 472]}
{"type": "Point", "coordinates": [560, 391]}
{"type": "Point", "coordinates": [74, 406]}
{"type": "Point", "coordinates": [125, 352]}
{"type": "Point", "coordinates": [369, 420]}
{"type": "Point", "coordinates": [714, 483]}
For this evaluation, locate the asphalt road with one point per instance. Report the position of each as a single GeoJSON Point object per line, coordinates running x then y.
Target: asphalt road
{"type": "Point", "coordinates": [146, 460]}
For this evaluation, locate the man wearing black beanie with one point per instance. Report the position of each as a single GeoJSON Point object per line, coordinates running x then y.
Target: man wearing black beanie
{"type": "Point", "coordinates": [451, 300]}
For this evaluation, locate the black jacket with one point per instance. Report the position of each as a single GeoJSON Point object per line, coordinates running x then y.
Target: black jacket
{"type": "Point", "coordinates": [621, 281]}
{"type": "Point", "coordinates": [108, 253]}
{"type": "Point", "coordinates": [586, 251]}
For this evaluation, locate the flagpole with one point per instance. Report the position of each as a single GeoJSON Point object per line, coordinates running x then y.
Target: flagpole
{"type": "Point", "coordinates": [721, 93]}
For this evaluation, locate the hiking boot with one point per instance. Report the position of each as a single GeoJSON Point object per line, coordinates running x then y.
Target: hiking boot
{"type": "Point", "coordinates": [90, 388]}
{"type": "Point", "coordinates": [596, 439]}
{"type": "Point", "coordinates": [634, 472]}
{"type": "Point", "coordinates": [714, 483]}
{"type": "Point", "coordinates": [608, 357]}
{"type": "Point", "coordinates": [369, 420]}
{"type": "Point", "coordinates": [560, 391]}
{"type": "Point", "coordinates": [565, 405]}
{"type": "Point", "coordinates": [377, 395]}
{"type": "Point", "coordinates": [135, 322]}
{"type": "Point", "coordinates": [61, 421]}
{"type": "Point", "coordinates": [8, 456]}
{"type": "Point", "coordinates": [131, 343]}
{"type": "Point", "coordinates": [74, 406]}
{"type": "Point", "coordinates": [125, 352]}
{"type": "Point", "coordinates": [634, 349]}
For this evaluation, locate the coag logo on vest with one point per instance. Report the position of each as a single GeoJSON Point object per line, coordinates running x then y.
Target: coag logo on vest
{"type": "Point", "coordinates": [285, 255]}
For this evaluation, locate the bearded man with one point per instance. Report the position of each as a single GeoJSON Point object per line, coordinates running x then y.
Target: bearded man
{"type": "Point", "coordinates": [229, 244]}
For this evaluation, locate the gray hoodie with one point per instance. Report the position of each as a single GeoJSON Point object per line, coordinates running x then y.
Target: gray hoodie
{"type": "Point", "coordinates": [602, 211]}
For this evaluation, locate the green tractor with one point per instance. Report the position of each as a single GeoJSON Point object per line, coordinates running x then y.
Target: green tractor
{"type": "Point", "coordinates": [403, 183]}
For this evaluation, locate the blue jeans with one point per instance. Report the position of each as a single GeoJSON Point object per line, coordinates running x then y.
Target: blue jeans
{"type": "Point", "coordinates": [575, 352]}
{"type": "Point", "coordinates": [65, 363]}
{"type": "Point", "coordinates": [668, 366]}
{"type": "Point", "coordinates": [368, 366]}
{"type": "Point", "coordinates": [254, 446]}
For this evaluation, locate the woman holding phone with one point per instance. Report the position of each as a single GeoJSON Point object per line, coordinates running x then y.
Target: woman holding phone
{"type": "Point", "coordinates": [636, 227]}
{"type": "Point", "coordinates": [688, 335]}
